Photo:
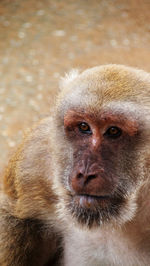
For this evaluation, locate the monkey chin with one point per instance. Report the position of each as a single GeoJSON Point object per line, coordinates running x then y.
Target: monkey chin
{"type": "Point", "coordinates": [94, 211]}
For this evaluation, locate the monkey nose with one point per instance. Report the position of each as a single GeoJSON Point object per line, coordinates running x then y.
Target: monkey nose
{"type": "Point", "coordinates": [85, 177]}
{"type": "Point", "coordinates": [81, 181]}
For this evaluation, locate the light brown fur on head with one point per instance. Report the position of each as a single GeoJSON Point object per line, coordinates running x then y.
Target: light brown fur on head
{"type": "Point", "coordinates": [107, 83]}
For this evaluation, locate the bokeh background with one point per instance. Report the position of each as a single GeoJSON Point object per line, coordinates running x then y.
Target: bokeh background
{"type": "Point", "coordinates": [40, 40]}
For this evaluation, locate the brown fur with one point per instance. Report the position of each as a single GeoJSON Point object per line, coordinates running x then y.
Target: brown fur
{"type": "Point", "coordinates": [42, 210]}
{"type": "Point", "coordinates": [28, 236]}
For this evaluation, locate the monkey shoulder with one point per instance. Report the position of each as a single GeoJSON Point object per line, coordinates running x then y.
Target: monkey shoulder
{"type": "Point", "coordinates": [28, 177]}
{"type": "Point", "coordinates": [28, 220]}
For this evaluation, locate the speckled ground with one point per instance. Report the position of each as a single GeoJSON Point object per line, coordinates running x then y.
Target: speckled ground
{"type": "Point", "coordinates": [41, 40]}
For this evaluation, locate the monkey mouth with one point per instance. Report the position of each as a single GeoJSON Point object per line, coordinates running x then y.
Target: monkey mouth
{"type": "Point", "coordinates": [92, 201]}
{"type": "Point", "coordinates": [93, 210]}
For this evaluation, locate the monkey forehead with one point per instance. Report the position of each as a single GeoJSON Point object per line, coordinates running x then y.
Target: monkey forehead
{"type": "Point", "coordinates": [114, 112]}
{"type": "Point", "coordinates": [101, 85]}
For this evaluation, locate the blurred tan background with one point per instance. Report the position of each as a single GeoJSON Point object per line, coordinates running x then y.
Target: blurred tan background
{"type": "Point", "coordinates": [40, 40]}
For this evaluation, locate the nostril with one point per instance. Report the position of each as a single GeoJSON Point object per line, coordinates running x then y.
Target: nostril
{"type": "Point", "coordinates": [89, 177]}
{"type": "Point", "coordinates": [80, 175]}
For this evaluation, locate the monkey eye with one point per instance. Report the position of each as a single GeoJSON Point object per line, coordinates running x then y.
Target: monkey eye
{"type": "Point", "coordinates": [113, 132]}
{"type": "Point", "coordinates": [84, 128]}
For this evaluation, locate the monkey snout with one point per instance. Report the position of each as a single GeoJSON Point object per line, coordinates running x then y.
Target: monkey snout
{"type": "Point", "coordinates": [90, 183]}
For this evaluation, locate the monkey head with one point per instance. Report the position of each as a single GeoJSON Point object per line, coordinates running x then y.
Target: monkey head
{"type": "Point", "coordinates": [101, 127]}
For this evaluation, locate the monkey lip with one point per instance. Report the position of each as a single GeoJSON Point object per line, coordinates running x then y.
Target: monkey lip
{"type": "Point", "coordinates": [89, 201]}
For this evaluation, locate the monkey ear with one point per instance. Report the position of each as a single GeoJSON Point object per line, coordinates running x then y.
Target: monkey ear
{"type": "Point", "coordinates": [70, 76]}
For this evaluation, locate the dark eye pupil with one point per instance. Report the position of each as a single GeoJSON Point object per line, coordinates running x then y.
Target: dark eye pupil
{"type": "Point", "coordinates": [84, 128]}
{"type": "Point", "coordinates": [113, 132]}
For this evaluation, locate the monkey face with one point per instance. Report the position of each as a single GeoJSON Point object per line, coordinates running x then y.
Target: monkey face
{"type": "Point", "coordinates": [102, 175]}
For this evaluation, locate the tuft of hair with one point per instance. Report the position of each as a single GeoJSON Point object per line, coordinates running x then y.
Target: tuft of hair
{"type": "Point", "coordinates": [70, 76]}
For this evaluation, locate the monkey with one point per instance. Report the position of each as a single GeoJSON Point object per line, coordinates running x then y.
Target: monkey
{"type": "Point", "coordinates": [77, 190]}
